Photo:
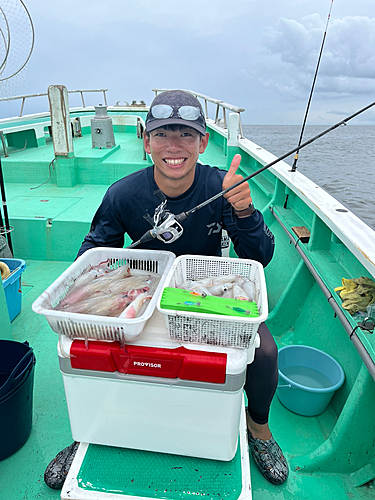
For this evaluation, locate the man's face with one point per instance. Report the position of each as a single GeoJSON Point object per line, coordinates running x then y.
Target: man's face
{"type": "Point", "coordinates": [175, 152]}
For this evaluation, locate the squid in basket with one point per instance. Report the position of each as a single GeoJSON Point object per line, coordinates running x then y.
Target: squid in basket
{"type": "Point", "coordinates": [102, 291]}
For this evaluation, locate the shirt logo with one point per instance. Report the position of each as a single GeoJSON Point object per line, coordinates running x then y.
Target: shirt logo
{"type": "Point", "coordinates": [268, 233]}
{"type": "Point", "coordinates": [225, 241]}
{"type": "Point", "coordinates": [214, 228]}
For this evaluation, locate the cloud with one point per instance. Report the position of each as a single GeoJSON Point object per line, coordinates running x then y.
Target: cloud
{"type": "Point", "coordinates": [214, 47]}
{"type": "Point", "coordinates": [367, 116]}
{"type": "Point", "coordinates": [348, 60]}
{"type": "Point", "coordinates": [201, 18]}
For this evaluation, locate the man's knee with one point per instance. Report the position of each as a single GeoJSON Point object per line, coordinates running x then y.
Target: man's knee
{"type": "Point", "coordinates": [267, 351]}
{"type": "Point", "coordinates": [268, 348]}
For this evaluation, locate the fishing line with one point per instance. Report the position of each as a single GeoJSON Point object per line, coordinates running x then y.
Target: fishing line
{"type": "Point", "coordinates": [170, 228]}
{"type": "Point", "coordinates": [294, 166]}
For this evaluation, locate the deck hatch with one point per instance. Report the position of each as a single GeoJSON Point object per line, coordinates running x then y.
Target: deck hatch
{"type": "Point", "coordinates": [158, 475]}
{"type": "Point", "coordinates": [46, 207]}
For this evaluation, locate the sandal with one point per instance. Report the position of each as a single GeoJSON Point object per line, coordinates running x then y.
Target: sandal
{"type": "Point", "coordinates": [269, 459]}
{"type": "Point", "coordinates": [57, 470]}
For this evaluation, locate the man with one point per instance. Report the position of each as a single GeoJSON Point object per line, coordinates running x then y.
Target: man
{"type": "Point", "coordinates": [175, 137]}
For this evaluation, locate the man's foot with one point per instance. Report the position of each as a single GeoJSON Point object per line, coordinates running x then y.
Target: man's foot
{"type": "Point", "coordinates": [57, 470]}
{"type": "Point", "coordinates": [269, 459]}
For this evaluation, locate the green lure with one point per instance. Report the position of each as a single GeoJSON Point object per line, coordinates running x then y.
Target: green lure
{"type": "Point", "coordinates": [189, 303]}
{"type": "Point", "coordinates": [175, 299]}
{"type": "Point", "coordinates": [239, 309]}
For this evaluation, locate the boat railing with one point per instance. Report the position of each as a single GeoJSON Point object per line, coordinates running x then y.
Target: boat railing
{"type": "Point", "coordinates": [220, 106]}
{"type": "Point", "coordinates": [24, 97]}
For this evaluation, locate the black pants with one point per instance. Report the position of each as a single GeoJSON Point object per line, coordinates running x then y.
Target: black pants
{"type": "Point", "coordinates": [261, 377]}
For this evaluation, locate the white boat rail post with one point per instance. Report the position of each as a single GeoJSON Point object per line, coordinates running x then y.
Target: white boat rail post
{"type": "Point", "coordinates": [3, 142]}
{"type": "Point", "coordinates": [22, 105]}
{"type": "Point", "coordinates": [83, 101]}
{"type": "Point", "coordinates": [234, 133]}
{"type": "Point", "coordinates": [66, 172]}
{"type": "Point", "coordinates": [217, 119]}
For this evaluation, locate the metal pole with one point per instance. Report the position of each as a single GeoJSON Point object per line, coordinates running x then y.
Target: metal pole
{"type": "Point", "coordinates": [5, 209]}
{"type": "Point", "coordinates": [241, 130]}
{"type": "Point", "coordinates": [83, 102]}
{"type": "Point", "coordinates": [23, 102]}
{"type": "Point", "coordinates": [4, 144]}
{"type": "Point", "coordinates": [217, 113]}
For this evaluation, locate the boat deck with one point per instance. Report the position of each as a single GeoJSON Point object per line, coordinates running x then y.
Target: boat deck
{"type": "Point", "coordinates": [21, 475]}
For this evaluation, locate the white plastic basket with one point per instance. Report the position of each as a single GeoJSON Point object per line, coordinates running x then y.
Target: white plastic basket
{"type": "Point", "coordinates": [88, 326]}
{"type": "Point", "coordinates": [214, 329]}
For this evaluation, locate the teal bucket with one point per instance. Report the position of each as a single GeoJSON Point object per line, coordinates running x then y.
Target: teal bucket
{"type": "Point", "coordinates": [308, 378]}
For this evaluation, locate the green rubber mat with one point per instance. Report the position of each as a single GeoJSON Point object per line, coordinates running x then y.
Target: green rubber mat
{"type": "Point", "coordinates": [159, 475]}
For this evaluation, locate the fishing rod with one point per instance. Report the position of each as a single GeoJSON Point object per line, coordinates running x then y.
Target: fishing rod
{"type": "Point", "coordinates": [294, 166]}
{"type": "Point", "coordinates": [167, 227]}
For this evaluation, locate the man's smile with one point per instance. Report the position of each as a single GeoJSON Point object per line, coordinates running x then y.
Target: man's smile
{"type": "Point", "coordinates": [172, 162]}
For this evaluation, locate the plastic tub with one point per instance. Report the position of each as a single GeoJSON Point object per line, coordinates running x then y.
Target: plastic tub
{"type": "Point", "coordinates": [16, 396]}
{"type": "Point", "coordinates": [12, 286]}
{"type": "Point", "coordinates": [15, 361]}
{"type": "Point", "coordinates": [214, 329]}
{"type": "Point", "coordinates": [308, 378]}
{"type": "Point", "coordinates": [89, 326]}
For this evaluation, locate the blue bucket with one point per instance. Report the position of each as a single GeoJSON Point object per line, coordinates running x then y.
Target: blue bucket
{"type": "Point", "coordinates": [308, 378]}
{"type": "Point", "coordinates": [13, 286]}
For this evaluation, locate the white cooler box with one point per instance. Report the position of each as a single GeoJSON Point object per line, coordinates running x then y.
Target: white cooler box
{"type": "Point", "coordinates": [183, 400]}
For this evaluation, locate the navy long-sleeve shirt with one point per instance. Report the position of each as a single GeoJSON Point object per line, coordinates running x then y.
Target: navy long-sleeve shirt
{"type": "Point", "coordinates": [129, 199]}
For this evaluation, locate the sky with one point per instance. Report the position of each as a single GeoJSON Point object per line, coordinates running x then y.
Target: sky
{"type": "Point", "coordinates": [259, 55]}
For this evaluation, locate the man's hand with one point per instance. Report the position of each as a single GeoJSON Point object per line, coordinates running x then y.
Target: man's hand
{"type": "Point", "coordinates": [238, 197]}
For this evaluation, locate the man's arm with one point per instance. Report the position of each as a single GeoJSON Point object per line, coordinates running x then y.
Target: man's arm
{"type": "Point", "coordinates": [250, 236]}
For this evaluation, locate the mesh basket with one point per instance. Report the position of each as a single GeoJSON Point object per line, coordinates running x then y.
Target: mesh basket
{"type": "Point", "coordinates": [214, 329]}
{"type": "Point", "coordinates": [88, 326]}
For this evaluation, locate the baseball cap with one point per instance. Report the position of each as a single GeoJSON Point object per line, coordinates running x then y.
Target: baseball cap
{"type": "Point", "coordinates": [176, 107]}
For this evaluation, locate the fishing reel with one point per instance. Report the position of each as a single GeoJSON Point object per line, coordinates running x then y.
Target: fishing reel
{"type": "Point", "coordinates": [169, 230]}
{"type": "Point", "coordinates": [166, 227]}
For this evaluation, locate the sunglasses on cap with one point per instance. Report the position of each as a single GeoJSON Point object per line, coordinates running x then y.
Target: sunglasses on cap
{"type": "Point", "coordinates": [163, 111]}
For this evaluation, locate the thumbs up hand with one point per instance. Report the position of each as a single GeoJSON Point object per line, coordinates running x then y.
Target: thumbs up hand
{"type": "Point", "coordinates": [238, 197]}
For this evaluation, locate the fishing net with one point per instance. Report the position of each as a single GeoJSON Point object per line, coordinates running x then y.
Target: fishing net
{"type": "Point", "coordinates": [16, 46]}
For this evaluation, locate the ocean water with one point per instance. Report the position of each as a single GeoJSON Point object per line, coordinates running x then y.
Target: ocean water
{"type": "Point", "coordinates": [342, 162]}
